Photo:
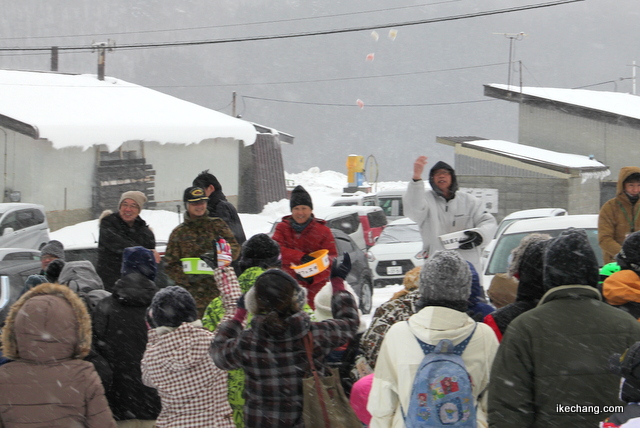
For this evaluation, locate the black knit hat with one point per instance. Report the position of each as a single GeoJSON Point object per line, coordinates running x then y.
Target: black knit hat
{"type": "Point", "coordinates": [629, 255]}
{"type": "Point", "coordinates": [265, 291]}
{"type": "Point", "coordinates": [570, 259]}
{"type": "Point", "coordinates": [173, 305]}
{"type": "Point", "coordinates": [54, 269]}
{"type": "Point", "coordinates": [260, 250]}
{"type": "Point", "coordinates": [140, 260]}
{"type": "Point", "coordinates": [299, 196]}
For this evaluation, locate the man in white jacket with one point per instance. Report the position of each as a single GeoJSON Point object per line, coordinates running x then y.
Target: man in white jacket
{"type": "Point", "coordinates": [445, 285]}
{"type": "Point", "coordinates": [443, 210]}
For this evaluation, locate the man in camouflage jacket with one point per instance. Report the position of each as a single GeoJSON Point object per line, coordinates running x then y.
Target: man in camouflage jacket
{"type": "Point", "coordinates": [193, 238]}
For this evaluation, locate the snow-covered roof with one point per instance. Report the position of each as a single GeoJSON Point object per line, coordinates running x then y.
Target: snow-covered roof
{"type": "Point", "coordinates": [587, 167]}
{"type": "Point", "coordinates": [521, 151]}
{"type": "Point", "coordinates": [80, 110]}
{"type": "Point", "coordinates": [618, 103]}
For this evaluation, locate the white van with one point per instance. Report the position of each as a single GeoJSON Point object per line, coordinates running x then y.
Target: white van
{"type": "Point", "coordinates": [391, 203]}
{"type": "Point", "coordinates": [23, 226]}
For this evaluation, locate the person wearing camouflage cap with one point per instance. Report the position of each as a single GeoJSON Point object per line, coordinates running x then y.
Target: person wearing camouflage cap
{"type": "Point", "coordinates": [196, 236]}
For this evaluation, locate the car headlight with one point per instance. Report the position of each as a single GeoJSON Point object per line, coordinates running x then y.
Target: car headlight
{"type": "Point", "coordinates": [370, 256]}
{"type": "Point", "coordinates": [422, 254]}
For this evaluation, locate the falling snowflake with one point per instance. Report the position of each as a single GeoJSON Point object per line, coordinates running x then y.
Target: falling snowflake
{"type": "Point", "coordinates": [370, 57]}
{"type": "Point", "coordinates": [374, 35]}
{"type": "Point", "coordinates": [360, 103]}
{"type": "Point", "coordinates": [393, 34]}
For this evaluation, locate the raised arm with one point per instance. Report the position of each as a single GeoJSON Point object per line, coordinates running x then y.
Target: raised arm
{"type": "Point", "coordinates": [414, 201]}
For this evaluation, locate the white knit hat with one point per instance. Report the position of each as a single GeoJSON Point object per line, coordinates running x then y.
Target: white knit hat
{"type": "Point", "coordinates": [323, 304]}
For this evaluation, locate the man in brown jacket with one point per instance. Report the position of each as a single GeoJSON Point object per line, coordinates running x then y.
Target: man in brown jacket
{"type": "Point", "coordinates": [620, 216]}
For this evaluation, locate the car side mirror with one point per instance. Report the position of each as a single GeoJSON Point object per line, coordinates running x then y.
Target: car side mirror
{"type": "Point", "coordinates": [7, 230]}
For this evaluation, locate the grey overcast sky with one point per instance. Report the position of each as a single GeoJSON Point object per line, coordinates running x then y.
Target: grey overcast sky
{"type": "Point", "coordinates": [415, 82]}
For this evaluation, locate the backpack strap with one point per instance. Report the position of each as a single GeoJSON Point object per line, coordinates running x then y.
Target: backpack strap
{"type": "Point", "coordinates": [458, 349]}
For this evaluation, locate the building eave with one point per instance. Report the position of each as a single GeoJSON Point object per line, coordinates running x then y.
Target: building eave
{"type": "Point", "coordinates": [505, 158]}
{"type": "Point", "coordinates": [282, 136]}
{"type": "Point", "coordinates": [19, 127]}
{"type": "Point", "coordinates": [514, 95]}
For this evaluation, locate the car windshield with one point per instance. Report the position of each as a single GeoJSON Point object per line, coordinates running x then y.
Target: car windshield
{"type": "Point", "coordinates": [503, 225]}
{"type": "Point", "coordinates": [500, 256]}
{"type": "Point", "coordinates": [396, 234]}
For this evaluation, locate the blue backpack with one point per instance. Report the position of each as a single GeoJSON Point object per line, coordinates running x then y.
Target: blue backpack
{"type": "Point", "coordinates": [441, 394]}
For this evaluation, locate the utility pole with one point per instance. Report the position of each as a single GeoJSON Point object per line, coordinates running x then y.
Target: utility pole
{"type": "Point", "coordinates": [633, 77]}
{"type": "Point", "coordinates": [511, 37]}
{"type": "Point", "coordinates": [102, 48]}
{"type": "Point", "coordinates": [54, 58]}
{"type": "Point", "coordinates": [233, 104]}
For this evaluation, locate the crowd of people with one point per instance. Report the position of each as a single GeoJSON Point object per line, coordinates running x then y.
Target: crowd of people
{"type": "Point", "coordinates": [230, 341]}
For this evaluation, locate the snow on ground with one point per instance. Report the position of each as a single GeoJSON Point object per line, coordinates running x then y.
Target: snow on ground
{"type": "Point", "coordinates": [324, 187]}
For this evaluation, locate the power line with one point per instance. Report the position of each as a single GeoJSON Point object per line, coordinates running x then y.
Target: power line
{"type": "Point", "coordinates": [615, 82]}
{"type": "Point", "coordinates": [208, 27]}
{"type": "Point", "coordinates": [366, 105]}
{"type": "Point", "coordinates": [312, 33]}
{"type": "Point", "coordinates": [378, 76]}
{"type": "Point", "coordinates": [335, 79]}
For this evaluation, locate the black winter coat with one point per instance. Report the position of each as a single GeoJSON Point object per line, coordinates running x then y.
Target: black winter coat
{"type": "Point", "coordinates": [120, 335]}
{"type": "Point", "coordinates": [115, 236]}
{"type": "Point", "coordinates": [218, 206]}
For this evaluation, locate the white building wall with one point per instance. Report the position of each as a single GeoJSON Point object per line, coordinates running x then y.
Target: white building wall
{"type": "Point", "coordinates": [57, 179]}
{"type": "Point", "coordinates": [176, 166]}
{"type": "Point", "coordinates": [62, 180]}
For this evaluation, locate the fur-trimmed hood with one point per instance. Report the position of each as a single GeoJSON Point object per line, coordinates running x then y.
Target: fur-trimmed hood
{"type": "Point", "coordinates": [624, 173]}
{"type": "Point", "coordinates": [48, 323]}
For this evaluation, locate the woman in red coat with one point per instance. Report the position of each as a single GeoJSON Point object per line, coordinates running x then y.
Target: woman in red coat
{"type": "Point", "coordinates": [300, 234]}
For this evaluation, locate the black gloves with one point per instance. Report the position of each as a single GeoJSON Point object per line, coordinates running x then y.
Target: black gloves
{"type": "Point", "coordinates": [306, 259]}
{"type": "Point", "coordinates": [473, 240]}
{"type": "Point", "coordinates": [308, 280]}
{"type": "Point", "coordinates": [341, 270]}
{"type": "Point", "coordinates": [211, 259]}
